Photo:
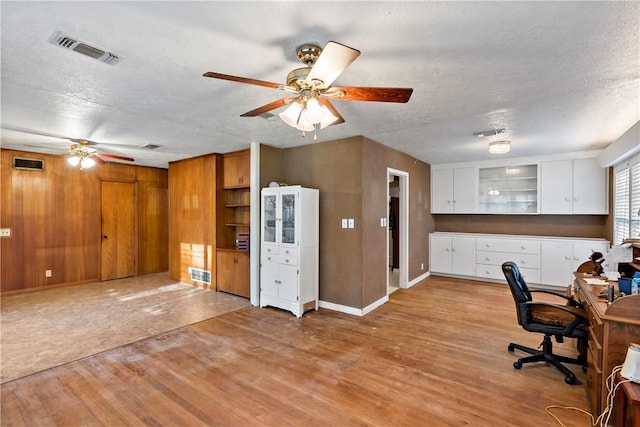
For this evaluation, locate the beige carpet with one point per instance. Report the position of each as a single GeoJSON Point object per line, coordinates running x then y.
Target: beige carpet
{"type": "Point", "coordinates": [40, 330]}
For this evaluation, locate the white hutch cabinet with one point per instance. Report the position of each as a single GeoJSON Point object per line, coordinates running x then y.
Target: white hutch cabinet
{"type": "Point", "coordinates": [289, 248]}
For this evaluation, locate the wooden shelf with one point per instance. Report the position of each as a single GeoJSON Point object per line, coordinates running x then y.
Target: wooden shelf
{"type": "Point", "coordinates": [237, 206]}
{"type": "Point", "coordinates": [237, 225]}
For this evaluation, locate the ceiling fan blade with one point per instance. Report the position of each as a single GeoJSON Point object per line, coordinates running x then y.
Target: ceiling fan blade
{"type": "Point", "coordinates": [333, 110]}
{"type": "Point", "coordinates": [97, 159]}
{"type": "Point", "coordinates": [334, 59]}
{"type": "Point", "coordinates": [113, 156]}
{"type": "Point", "coordinates": [379, 94]}
{"type": "Point", "coordinates": [242, 80]}
{"type": "Point", "coordinates": [271, 106]}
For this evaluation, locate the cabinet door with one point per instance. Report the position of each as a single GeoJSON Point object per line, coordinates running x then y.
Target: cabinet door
{"type": "Point", "coordinates": [289, 218]}
{"type": "Point", "coordinates": [440, 254]}
{"type": "Point", "coordinates": [232, 273]}
{"type": "Point", "coordinates": [465, 190]}
{"type": "Point", "coordinates": [237, 168]}
{"type": "Point", "coordinates": [269, 218]}
{"type": "Point", "coordinates": [582, 250]}
{"type": "Point", "coordinates": [556, 261]}
{"type": "Point", "coordinates": [442, 191]}
{"type": "Point", "coordinates": [288, 286]}
{"type": "Point", "coordinates": [269, 279]}
{"type": "Point", "coordinates": [556, 187]}
{"type": "Point", "coordinates": [589, 188]}
{"type": "Point", "coordinates": [463, 256]}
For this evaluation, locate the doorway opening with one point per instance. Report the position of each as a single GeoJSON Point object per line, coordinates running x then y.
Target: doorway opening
{"type": "Point", "coordinates": [398, 227]}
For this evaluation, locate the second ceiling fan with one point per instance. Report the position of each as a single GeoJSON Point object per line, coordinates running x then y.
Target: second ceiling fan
{"type": "Point", "coordinates": [310, 106]}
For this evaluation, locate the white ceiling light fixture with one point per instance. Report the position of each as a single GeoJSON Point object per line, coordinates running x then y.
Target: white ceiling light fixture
{"type": "Point", "coordinates": [499, 147]}
{"type": "Point", "coordinates": [306, 113]}
{"type": "Point", "coordinates": [489, 133]}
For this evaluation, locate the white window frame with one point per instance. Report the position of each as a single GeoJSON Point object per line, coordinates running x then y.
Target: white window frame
{"type": "Point", "coordinates": [626, 200]}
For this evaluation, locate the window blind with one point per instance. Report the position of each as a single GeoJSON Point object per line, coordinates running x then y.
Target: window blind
{"type": "Point", "coordinates": [626, 221]}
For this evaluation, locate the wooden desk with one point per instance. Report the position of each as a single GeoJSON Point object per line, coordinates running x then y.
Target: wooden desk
{"type": "Point", "coordinates": [612, 327]}
{"type": "Point", "coordinates": [627, 404]}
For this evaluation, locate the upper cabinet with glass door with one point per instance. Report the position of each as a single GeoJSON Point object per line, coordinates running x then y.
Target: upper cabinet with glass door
{"type": "Point", "coordinates": [508, 190]}
{"type": "Point", "coordinates": [279, 215]}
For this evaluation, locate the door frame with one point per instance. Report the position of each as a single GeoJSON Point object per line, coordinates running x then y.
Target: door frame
{"type": "Point", "coordinates": [403, 231]}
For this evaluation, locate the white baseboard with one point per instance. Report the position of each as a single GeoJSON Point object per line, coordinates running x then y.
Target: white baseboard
{"type": "Point", "coordinates": [418, 279]}
{"type": "Point", "coordinates": [352, 310]}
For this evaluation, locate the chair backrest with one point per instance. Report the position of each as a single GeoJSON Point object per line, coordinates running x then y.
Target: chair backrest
{"type": "Point", "coordinates": [517, 284]}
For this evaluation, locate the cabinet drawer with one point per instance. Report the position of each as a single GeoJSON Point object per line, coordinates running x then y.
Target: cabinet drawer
{"type": "Point", "coordinates": [518, 246]}
{"type": "Point", "coordinates": [269, 258]}
{"type": "Point", "coordinates": [595, 325]}
{"type": "Point", "coordinates": [594, 384]}
{"type": "Point", "coordinates": [289, 251]}
{"type": "Point", "coordinates": [288, 259]}
{"type": "Point", "coordinates": [269, 250]}
{"type": "Point", "coordinates": [488, 271]}
{"type": "Point", "coordinates": [498, 258]}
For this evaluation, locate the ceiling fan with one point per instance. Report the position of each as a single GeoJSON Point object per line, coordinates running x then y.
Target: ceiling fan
{"type": "Point", "coordinates": [82, 151]}
{"type": "Point", "coordinates": [84, 155]}
{"type": "Point", "coordinates": [310, 107]}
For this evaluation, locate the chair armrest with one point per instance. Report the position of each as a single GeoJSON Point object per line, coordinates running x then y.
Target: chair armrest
{"type": "Point", "coordinates": [570, 300]}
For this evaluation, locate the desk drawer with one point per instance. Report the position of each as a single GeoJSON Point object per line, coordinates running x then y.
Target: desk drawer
{"type": "Point", "coordinates": [595, 325]}
{"type": "Point", "coordinates": [498, 258]}
{"type": "Point", "coordinates": [594, 385]}
{"type": "Point", "coordinates": [595, 348]}
{"type": "Point", "coordinates": [517, 246]}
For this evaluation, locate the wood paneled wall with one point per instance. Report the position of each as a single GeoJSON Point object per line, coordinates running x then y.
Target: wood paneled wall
{"type": "Point", "coordinates": [54, 216]}
{"type": "Point", "coordinates": [193, 185]}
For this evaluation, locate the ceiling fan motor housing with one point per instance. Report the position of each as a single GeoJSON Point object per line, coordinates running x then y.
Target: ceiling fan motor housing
{"type": "Point", "coordinates": [309, 53]}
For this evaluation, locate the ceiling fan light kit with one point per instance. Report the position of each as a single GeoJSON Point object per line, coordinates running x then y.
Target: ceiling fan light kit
{"type": "Point", "coordinates": [499, 147]}
{"type": "Point", "coordinates": [311, 109]}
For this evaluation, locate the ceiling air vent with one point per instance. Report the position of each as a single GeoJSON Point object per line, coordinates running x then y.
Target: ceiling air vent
{"type": "Point", "coordinates": [68, 42]}
{"type": "Point", "coordinates": [150, 146]}
{"type": "Point", "coordinates": [28, 164]}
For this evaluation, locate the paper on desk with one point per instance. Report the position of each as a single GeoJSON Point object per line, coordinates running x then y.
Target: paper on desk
{"type": "Point", "coordinates": [595, 281]}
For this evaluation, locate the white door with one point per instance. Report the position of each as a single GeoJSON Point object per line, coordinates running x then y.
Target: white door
{"type": "Point", "coordinates": [440, 254]}
{"type": "Point", "coordinates": [589, 187]}
{"type": "Point", "coordinates": [556, 187]}
{"type": "Point", "coordinates": [463, 261]}
{"type": "Point", "coordinates": [465, 190]}
{"type": "Point", "coordinates": [442, 191]}
{"type": "Point", "coordinates": [556, 262]}
{"type": "Point", "coordinates": [269, 279]}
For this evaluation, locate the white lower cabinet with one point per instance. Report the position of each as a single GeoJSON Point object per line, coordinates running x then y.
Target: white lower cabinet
{"type": "Point", "coordinates": [452, 255]}
{"type": "Point", "coordinates": [560, 258]}
{"type": "Point", "coordinates": [541, 260]}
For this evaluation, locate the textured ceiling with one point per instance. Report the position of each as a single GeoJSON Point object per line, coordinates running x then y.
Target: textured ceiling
{"type": "Point", "coordinates": [559, 76]}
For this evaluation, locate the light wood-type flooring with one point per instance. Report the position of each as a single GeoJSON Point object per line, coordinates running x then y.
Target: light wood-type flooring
{"type": "Point", "coordinates": [435, 355]}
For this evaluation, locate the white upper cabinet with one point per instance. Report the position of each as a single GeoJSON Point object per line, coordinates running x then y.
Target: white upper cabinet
{"type": "Point", "coordinates": [574, 187]}
{"type": "Point", "coordinates": [454, 190]}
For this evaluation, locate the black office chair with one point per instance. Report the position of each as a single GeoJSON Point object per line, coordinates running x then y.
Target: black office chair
{"type": "Point", "coordinates": [552, 320]}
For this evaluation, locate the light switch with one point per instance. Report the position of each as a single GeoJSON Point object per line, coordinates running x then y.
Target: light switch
{"type": "Point", "coordinates": [344, 223]}
{"type": "Point", "coordinates": [351, 223]}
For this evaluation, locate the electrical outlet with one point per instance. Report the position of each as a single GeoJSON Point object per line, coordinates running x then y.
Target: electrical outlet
{"type": "Point", "coordinates": [421, 267]}
{"type": "Point", "coordinates": [47, 273]}
{"type": "Point", "coordinates": [344, 223]}
{"type": "Point", "coordinates": [5, 232]}
{"type": "Point", "coordinates": [351, 223]}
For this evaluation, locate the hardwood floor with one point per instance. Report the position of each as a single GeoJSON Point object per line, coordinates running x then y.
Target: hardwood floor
{"type": "Point", "coordinates": [435, 355]}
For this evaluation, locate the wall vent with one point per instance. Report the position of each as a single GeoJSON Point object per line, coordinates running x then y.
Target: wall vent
{"type": "Point", "coordinates": [28, 164]}
{"type": "Point", "coordinates": [199, 275]}
{"type": "Point", "coordinates": [72, 43]}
